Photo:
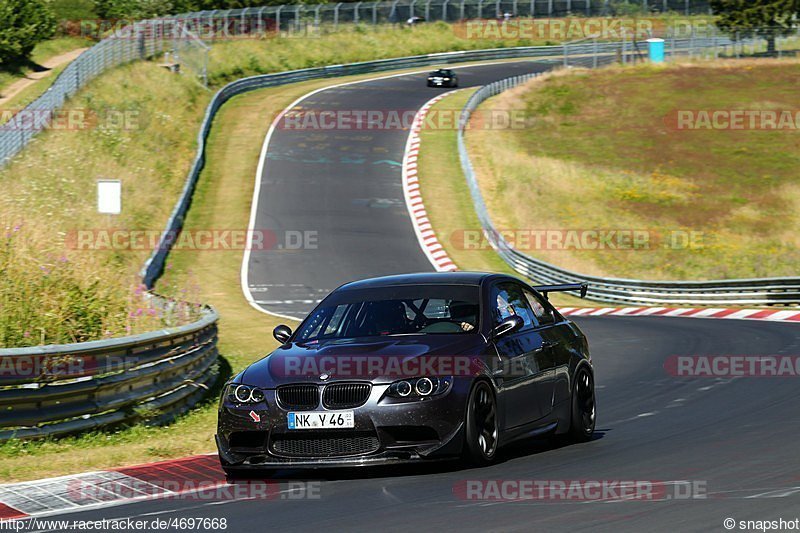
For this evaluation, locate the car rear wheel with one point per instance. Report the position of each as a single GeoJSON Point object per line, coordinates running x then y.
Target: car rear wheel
{"type": "Point", "coordinates": [481, 425]}
{"type": "Point", "coordinates": [583, 407]}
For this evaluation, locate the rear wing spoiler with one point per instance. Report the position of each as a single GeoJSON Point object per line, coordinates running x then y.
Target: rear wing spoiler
{"type": "Point", "coordinates": [564, 287]}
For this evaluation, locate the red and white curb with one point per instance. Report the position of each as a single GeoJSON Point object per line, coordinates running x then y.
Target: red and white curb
{"type": "Point", "coordinates": [771, 315]}
{"type": "Point", "coordinates": [431, 246]}
{"type": "Point", "coordinates": [167, 479]}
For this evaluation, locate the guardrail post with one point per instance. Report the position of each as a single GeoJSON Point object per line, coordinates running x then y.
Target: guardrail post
{"type": "Point", "coordinates": [566, 55]}
{"type": "Point", "coordinates": [594, 53]}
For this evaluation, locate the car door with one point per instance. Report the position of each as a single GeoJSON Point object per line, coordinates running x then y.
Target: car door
{"type": "Point", "coordinates": [523, 361]}
{"type": "Point", "coordinates": [554, 345]}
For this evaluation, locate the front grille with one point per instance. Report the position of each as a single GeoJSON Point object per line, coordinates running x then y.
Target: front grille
{"type": "Point", "coordinates": [298, 396]}
{"type": "Point", "coordinates": [345, 395]}
{"type": "Point", "coordinates": [337, 446]}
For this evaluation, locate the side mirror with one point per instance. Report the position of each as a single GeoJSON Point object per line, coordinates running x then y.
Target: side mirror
{"type": "Point", "coordinates": [282, 333]}
{"type": "Point", "coordinates": [509, 325]}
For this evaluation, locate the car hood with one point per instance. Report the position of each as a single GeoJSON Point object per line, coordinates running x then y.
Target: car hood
{"type": "Point", "coordinates": [380, 360]}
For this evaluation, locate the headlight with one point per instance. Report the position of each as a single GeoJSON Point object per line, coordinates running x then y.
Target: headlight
{"type": "Point", "coordinates": [244, 394]}
{"type": "Point", "coordinates": [418, 388]}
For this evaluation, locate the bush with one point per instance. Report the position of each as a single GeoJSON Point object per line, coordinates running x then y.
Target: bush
{"type": "Point", "coordinates": [23, 24]}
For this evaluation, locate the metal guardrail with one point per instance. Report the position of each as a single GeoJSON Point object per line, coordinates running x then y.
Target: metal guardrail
{"type": "Point", "coordinates": [184, 34]}
{"type": "Point", "coordinates": [49, 391]}
{"type": "Point", "coordinates": [159, 374]}
{"type": "Point", "coordinates": [769, 291]}
{"type": "Point", "coordinates": [568, 54]}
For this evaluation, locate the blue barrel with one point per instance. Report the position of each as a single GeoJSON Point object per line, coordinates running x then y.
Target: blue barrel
{"type": "Point", "coordinates": [656, 50]}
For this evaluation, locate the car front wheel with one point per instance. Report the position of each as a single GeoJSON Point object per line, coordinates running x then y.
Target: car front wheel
{"type": "Point", "coordinates": [481, 432]}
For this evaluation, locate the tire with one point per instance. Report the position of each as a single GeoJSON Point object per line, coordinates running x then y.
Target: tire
{"type": "Point", "coordinates": [480, 423]}
{"type": "Point", "coordinates": [583, 412]}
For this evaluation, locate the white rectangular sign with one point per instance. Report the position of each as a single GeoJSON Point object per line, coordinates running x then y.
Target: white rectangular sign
{"type": "Point", "coordinates": [109, 197]}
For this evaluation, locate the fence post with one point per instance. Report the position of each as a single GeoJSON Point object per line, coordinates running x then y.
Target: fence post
{"type": "Point", "coordinates": [569, 6]}
{"type": "Point", "coordinates": [588, 8]}
{"type": "Point", "coordinates": [714, 37]}
{"type": "Point", "coordinates": [355, 12]}
{"type": "Point", "coordinates": [278, 19]}
{"type": "Point", "coordinates": [594, 52]}
{"type": "Point", "coordinates": [549, 8]}
{"type": "Point", "coordinates": [533, 8]}
{"type": "Point", "coordinates": [686, 8]}
{"type": "Point", "coordinates": [374, 13]}
{"type": "Point", "coordinates": [461, 17]}
{"type": "Point", "coordinates": [566, 55]}
{"type": "Point", "coordinates": [336, 16]}
{"type": "Point", "coordinates": [428, 10]}
{"type": "Point", "coordinates": [480, 9]}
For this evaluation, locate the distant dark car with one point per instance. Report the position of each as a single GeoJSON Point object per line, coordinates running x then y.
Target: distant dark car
{"type": "Point", "coordinates": [411, 368]}
{"type": "Point", "coordinates": [443, 78]}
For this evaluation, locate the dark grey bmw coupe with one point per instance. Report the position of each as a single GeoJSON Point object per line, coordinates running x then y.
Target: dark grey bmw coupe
{"type": "Point", "coordinates": [411, 368]}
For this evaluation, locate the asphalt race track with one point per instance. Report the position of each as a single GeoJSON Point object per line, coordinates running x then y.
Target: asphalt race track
{"type": "Point", "coordinates": [342, 189]}
{"type": "Point", "coordinates": [727, 436]}
{"type": "Point", "coordinates": [731, 441]}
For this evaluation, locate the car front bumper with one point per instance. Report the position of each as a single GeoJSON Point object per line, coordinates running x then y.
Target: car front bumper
{"type": "Point", "coordinates": [384, 434]}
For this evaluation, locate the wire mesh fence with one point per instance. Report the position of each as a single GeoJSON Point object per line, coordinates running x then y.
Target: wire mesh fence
{"type": "Point", "coordinates": [186, 37]}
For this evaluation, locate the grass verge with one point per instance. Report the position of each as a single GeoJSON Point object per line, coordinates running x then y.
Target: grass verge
{"type": "Point", "coordinates": [222, 200]}
{"type": "Point", "coordinates": [602, 151]}
{"type": "Point", "coordinates": [448, 201]}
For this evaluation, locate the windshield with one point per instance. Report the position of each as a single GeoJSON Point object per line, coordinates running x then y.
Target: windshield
{"type": "Point", "coordinates": [406, 310]}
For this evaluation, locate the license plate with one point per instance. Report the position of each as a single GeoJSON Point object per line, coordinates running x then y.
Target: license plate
{"type": "Point", "coordinates": [321, 420]}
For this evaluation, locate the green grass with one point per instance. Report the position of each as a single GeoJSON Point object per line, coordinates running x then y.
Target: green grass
{"type": "Point", "coordinates": [222, 200]}
{"type": "Point", "coordinates": [599, 152]}
{"type": "Point", "coordinates": [448, 201]}
{"type": "Point", "coordinates": [49, 192]}
{"type": "Point", "coordinates": [9, 73]}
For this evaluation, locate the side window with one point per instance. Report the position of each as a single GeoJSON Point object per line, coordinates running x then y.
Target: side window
{"type": "Point", "coordinates": [541, 312]}
{"type": "Point", "coordinates": [509, 300]}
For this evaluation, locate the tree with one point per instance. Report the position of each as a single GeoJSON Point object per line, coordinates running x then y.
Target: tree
{"type": "Point", "coordinates": [23, 24]}
{"type": "Point", "coordinates": [767, 18]}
